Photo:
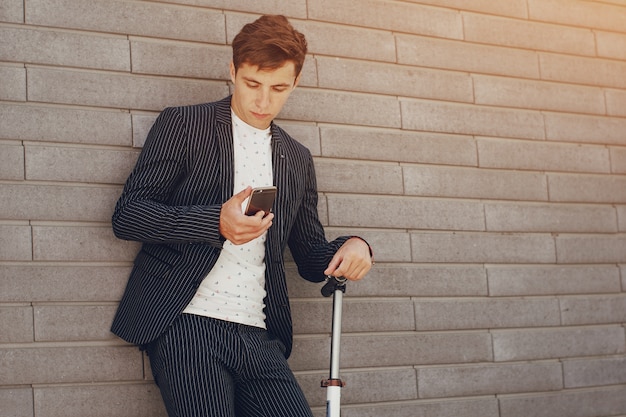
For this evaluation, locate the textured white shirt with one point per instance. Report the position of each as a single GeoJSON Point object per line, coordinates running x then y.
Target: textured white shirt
{"type": "Point", "coordinates": [235, 288]}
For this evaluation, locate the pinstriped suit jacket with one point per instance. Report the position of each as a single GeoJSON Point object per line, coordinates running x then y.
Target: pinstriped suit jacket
{"type": "Point", "coordinates": [171, 203]}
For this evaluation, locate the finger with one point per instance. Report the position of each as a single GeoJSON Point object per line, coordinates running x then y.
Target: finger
{"type": "Point", "coordinates": [332, 266]}
{"type": "Point", "coordinates": [257, 224]}
{"type": "Point", "coordinates": [243, 194]}
{"type": "Point", "coordinates": [353, 269]}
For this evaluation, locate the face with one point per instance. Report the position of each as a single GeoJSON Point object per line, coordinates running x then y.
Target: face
{"type": "Point", "coordinates": [260, 95]}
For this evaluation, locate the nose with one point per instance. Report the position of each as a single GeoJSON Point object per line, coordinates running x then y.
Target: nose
{"type": "Point", "coordinates": [262, 98]}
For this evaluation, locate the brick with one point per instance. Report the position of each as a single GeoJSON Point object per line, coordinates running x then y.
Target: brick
{"type": "Point", "coordinates": [542, 156]}
{"type": "Point", "coordinates": [80, 243]}
{"type": "Point", "coordinates": [512, 8]}
{"type": "Point", "coordinates": [485, 313]}
{"type": "Point", "coordinates": [576, 403]}
{"type": "Point", "coordinates": [398, 146]}
{"type": "Point", "coordinates": [45, 365]}
{"type": "Point", "coordinates": [579, 70]}
{"type": "Point", "coordinates": [17, 402]}
{"type": "Point", "coordinates": [148, 376]}
{"type": "Point", "coordinates": [457, 381]}
{"type": "Point", "coordinates": [621, 218]}
{"type": "Point", "coordinates": [386, 350]}
{"type": "Point", "coordinates": [141, 126]}
{"type": "Point", "coordinates": [13, 86]}
{"type": "Point", "coordinates": [471, 119]}
{"type": "Point", "coordinates": [12, 11]}
{"type": "Point", "coordinates": [616, 103]}
{"type": "Point", "coordinates": [44, 202]}
{"type": "Point", "coordinates": [466, 56]}
{"type": "Point", "coordinates": [363, 386]}
{"type": "Point", "coordinates": [513, 280]}
{"type": "Point", "coordinates": [405, 212]}
{"type": "Point", "coordinates": [528, 217]}
{"type": "Point", "coordinates": [527, 34]}
{"type": "Point", "coordinates": [16, 325]}
{"type": "Point", "coordinates": [593, 309]}
{"type": "Point", "coordinates": [588, 129]}
{"type": "Point", "coordinates": [313, 316]}
{"type": "Point", "coordinates": [306, 133]}
{"type": "Point", "coordinates": [79, 164]}
{"type": "Point", "coordinates": [181, 59]}
{"type": "Point", "coordinates": [340, 107]}
{"type": "Point", "coordinates": [148, 19]}
{"type": "Point", "coordinates": [295, 8]}
{"type": "Point", "coordinates": [66, 323]}
{"type": "Point", "coordinates": [396, 80]}
{"type": "Point", "coordinates": [53, 283]}
{"type": "Point", "coordinates": [16, 242]}
{"type": "Point", "coordinates": [71, 49]}
{"type": "Point", "coordinates": [538, 95]}
{"type": "Point", "coordinates": [442, 181]}
{"type": "Point", "coordinates": [590, 248]}
{"type": "Point", "coordinates": [589, 14]}
{"type": "Point", "coordinates": [482, 248]}
{"type": "Point", "coordinates": [390, 246]}
{"type": "Point", "coordinates": [55, 124]}
{"type": "Point", "coordinates": [466, 407]}
{"type": "Point", "coordinates": [358, 177]}
{"type": "Point", "coordinates": [118, 90]}
{"type": "Point", "coordinates": [611, 45]}
{"type": "Point", "coordinates": [587, 188]}
{"type": "Point", "coordinates": [361, 43]}
{"type": "Point", "coordinates": [424, 20]}
{"type": "Point", "coordinates": [137, 399]}
{"type": "Point", "coordinates": [404, 280]}
{"type": "Point", "coordinates": [565, 342]}
{"type": "Point", "coordinates": [311, 353]}
{"type": "Point", "coordinates": [11, 161]}
{"type": "Point", "coordinates": [591, 372]}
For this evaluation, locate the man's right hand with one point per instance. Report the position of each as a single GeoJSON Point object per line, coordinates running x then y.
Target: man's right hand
{"type": "Point", "coordinates": [236, 226]}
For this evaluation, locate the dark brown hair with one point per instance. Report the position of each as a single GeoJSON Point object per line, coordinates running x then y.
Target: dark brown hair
{"type": "Point", "coordinates": [268, 43]}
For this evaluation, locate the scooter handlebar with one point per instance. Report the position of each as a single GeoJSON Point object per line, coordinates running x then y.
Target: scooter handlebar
{"type": "Point", "coordinates": [333, 284]}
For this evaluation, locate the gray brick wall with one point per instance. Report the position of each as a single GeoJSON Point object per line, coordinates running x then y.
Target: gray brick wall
{"type": "Point", "coordinates": [480, 146]}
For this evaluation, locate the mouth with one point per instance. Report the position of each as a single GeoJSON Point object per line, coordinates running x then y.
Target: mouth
{"type": "Point", "coordinates": [259, 115]}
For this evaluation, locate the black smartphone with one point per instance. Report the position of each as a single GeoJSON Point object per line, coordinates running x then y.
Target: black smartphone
{"type": "Point", "coordinates": [262, 198]}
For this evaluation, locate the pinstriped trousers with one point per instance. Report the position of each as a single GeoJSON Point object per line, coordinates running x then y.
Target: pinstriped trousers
{"type": "Point", "coordinates": [206, 367]}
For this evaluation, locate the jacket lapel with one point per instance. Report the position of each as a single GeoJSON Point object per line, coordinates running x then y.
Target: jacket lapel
{"type": "Point", "coordinates": [224, 133]}
{"type": "Point", "coordinates": [280, 171]}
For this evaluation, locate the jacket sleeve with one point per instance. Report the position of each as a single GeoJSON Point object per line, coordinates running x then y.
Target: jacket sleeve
{"type": "Point", "coordinates": [309, 247]}
{"type": "Point", "coordinates": [144, 211]}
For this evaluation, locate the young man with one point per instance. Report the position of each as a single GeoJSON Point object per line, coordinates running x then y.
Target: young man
{"type": "Point", "coordinates": [207, 296]}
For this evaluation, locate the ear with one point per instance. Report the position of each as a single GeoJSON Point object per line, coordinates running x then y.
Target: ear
{"type": "Point", "coordinates": [233, 71]}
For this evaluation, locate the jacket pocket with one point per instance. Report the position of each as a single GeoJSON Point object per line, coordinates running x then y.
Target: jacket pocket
{"type": "Point", "coordinates": [157, 260]}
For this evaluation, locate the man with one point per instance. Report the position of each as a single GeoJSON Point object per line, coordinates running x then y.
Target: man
{"type": "Point", "coordinates": [207, 296]}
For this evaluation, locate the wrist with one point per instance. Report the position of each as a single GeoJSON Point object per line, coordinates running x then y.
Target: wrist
{"type": "Point", "coordinates": [369, 247]}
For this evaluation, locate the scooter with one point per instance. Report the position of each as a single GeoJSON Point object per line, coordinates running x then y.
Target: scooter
{"type": "Point", "coordinates": [335, 287]}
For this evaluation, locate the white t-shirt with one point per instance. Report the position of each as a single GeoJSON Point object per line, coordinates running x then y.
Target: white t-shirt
{"type": "Point", "coordinates": [235, 288]}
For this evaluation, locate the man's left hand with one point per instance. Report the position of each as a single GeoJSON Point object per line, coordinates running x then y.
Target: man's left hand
{"type": "Point", "coordinates": [352, 261]}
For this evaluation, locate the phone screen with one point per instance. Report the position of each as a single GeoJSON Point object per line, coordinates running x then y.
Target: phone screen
{"type": "Point", "coordinates": [261, 199]}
